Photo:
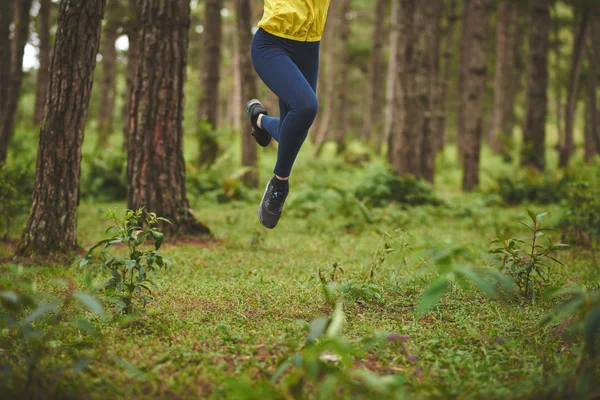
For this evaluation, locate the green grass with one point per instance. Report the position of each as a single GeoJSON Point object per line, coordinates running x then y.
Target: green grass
{"type": "Point", "coordinates": [228, 309]}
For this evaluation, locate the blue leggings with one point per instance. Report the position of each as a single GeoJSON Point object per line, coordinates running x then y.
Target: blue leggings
{"type": "Point", "coordinates": [290, 69]}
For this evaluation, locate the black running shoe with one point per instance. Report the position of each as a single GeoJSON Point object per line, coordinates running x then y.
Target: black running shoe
{"type": "Point", "coordinates": [271, 206]}
{"type": "Point", "coordinates": [254, 108]}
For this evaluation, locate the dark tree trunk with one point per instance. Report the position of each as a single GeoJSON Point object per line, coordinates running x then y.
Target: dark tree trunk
{"type": "Point", "coordinates": [558, 85]}
{"type": "Point", "coordinates": [208, 104]}
{"type": "Point", "coordinates": [505, 44]}
{"type": "Point", "coordinates": [463, 72]}
{"type": "Point", "coordinates": [431, 87]}
{"type": "Point", "coordinates": [567, 146]}
{"type": "Point", "coordinates": [373, 110]}
{"type": "Point", "coordinates": [341, 126]}
{"type": "Point", "coordinates": [328, 56]}
{"type": "Point", "coordinates": [592, 131]}
{"type": "Point", "coordinates": [155, 164]}
{"type": "Point", "coordinates": [8, 109]}
{"type": "Point", "coordinates": [534, 131]}
{"type": "Point", "coordinates": [475, 92]}
{"type": "Point", "coordinates": [6, 17]}
{"type": "Point", "coordinates": [52, 223]}
{"type": "Point", "coordinates": [106, 114]}
{"type": "Point", "coordinates": [392, 85]}
{"type": "Point", "coordinates": [132, 29]}
{"type": "Point", "coordinates": [407, 141]}
{"type": "Point", "coordinates": [249, 87]}
{"type": "Point", "coordinates": [448, 55]}
{"type": "Point", "coordinates": [45, 18]}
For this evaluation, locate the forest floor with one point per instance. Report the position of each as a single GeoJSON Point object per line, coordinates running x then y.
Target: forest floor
{"type": "Point", "coordinates": [228, 310]}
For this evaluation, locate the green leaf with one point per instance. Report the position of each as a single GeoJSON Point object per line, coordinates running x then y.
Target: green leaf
{"type": "Point", "coordinates": [281, 370]}
{"type": "Point", "coordinates": [40, 312]}
{"type": "Point", "coordinates": [479, 281]}
{"type": "Point", "coordinates": [433, 294]}
{"type": "Point", "coordinates": [335, 327]}
{"type": "Point", "coordinates": [90, 302]}
{"type": "Point", "coordinates": [590, 329]}
{"type": "Point", "coordinates": [158, 238]}
{"type": "Point", "coordinates": [317, 329]}
{"type": "Point", "coordinates": [540, 217]}
{"type": "Point", "coordinates": [531, 215]}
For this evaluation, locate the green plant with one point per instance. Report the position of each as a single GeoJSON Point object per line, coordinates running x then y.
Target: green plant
{"type": "Point", "coordinates": [531, 186]}
{"type": "Point", "coordinates": [32, 322]}
{"type": "Point", "coordinates": [455, 266]}
{"type": "Point", "coordinates": [129, 272]}
{"type": "Point", "coordinates": [103, 176]}
{"type": "Point", "coordinates": [16, 186]}
{"type": "Point", "coordinates": [527, 260]}
{"type": "Point", "coordinates": [582, 211]}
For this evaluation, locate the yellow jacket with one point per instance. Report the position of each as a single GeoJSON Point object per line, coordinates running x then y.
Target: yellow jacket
{"type": "Point", "coordinates": [301, 20]}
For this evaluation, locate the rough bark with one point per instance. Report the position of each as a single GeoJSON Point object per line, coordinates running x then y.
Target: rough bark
{"type": "Point", "coordinates": [475, 92]}
{"type": "Point", "coordinates": [208, 104]}
{"type": "Point", "coordinates": [45, 18]}
{"type": "Point", "coordinates": [567, 146]}
{"type": "Point", "coordinates": [558, 86]}
{"type": "Point", "coordinates": [407, 140]}
{"type": "Point", "coordinates": [431, 86]}
{"type": "Point", "coordinates": [249, 88]}
{"type": "Point", "coordinates": [341, 126]}
{"type": "Point", "coordinates": [534, 131]}
{"type": "Point", "coordinates": [373, 109]}
{"type": "Point", "coordinates": [505, 43]}
{"type": "Point", "coordinates": [132, 29]}
{"type": "Point", "coordinates": [463, 71]}
{"type": "Point", "coordinates": [328, 56]}
{"type": "Point", "coordinates": [392, 86]}
{"type": "Point", "coordinates": [52, 222]}
{"type": "Point", "coordinates": [155, 164]}
{"type": "Point", "coordinates": [592, 131]}
{"type": "Point", "coordinates": [6, 17]}
{"type": "Point", "coordinates": [106, 112]}
{"type": "Point", "coordinates": [448, 55]}
{"type": "Point", "coordinates": [8, 109]}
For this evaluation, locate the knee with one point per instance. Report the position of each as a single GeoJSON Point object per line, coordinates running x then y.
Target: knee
{"type": "Point", "coordinates": [308, 108]}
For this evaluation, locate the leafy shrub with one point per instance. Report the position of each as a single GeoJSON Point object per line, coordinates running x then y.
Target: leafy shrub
{"type": "Point", "coordinates": [582, 210]}
{"type": "Point", "coordinates": [31, 322]}
{"type": "Point", "coordinates": [16, 187]}
{"type": "Point", "coordinates": [103, 176]}
{"type": "Point", "coordinates": [526, 260]}
{"type": "Point", "coordinates": [129, 274]}
{"type": "Point", "coordinates": [380, 186]}
{"type": "Point", "coordinates": [531, 186]}
{"type": "Point", "coordinates": [218, 181]}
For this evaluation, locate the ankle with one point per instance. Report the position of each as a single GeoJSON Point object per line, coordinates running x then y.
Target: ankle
{"type": "Point", "coordinates": [259, 120]}
{"type": "Point", "coordinates": [281, 178]}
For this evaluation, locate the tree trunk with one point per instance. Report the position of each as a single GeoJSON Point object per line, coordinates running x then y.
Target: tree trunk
{"type": "Point", "coordinates": [558, 86]}
{"type": "Point", "coordinates": [341, 127]}
{"type": "Point", "coordinates": [248, 86]}
{"type": "Point", "coordinates": [208, 104]}
{"type": "Point", "coordinates": [132, 29]}
{"type": "Point", "coordinates": [108, 88]}
{"type": "Point", "coordinates": [373, 109]}
{"type": "Point", "coordinates": [431, 86]}
{"type": "Point", "coordinates": [448, 55]}
{"type": "Point", "coordinates": [328, 56]}
{"type": "Point", "coordinates": [52, 222]}
{"type": "Point", "coordinates": [406, 144]}
{"type": "Point", "coordinates": [505, 38]}
{"type": "Point", "coordinates": [6, 17]}
{"type": "Point", "coordinates": [392, 86]}
{"type": "Point", "coordinates": [592, 131]}
{"type": "Point", "coordinates": [155, 164]}
{"type": "Point", "coordinates": [475, 92]}
{"type": "Point", "coordinates": [534, 131]}
{"type": "Point", "coordinates": [8, 110]}
{"type": "Point", "coordinates": [463, 72]}
{"type": "Point", "coordinates": [45, 18]}
{"type": "Point", "coordinates": [567, 147]}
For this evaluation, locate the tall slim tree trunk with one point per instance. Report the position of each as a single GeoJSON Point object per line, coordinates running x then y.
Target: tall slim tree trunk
{"type": "Point", "coordinates": [463, 72]}
{"type": "Point", "coordinates": [208, 104]}
{"type": "Point", "coordinates": [341, 127]}
{"type": "Point", "coordinates": [431, 86]}
{"type": "Point", "coordinates": [558, 85]}
{"type": "Point", "coordinates": [373, 109]}
{"type": "Point", "coordinates": [534, 131]}
{"type": "Point", "coordinates": [567, 145]}
{"type": "Point", "coordinates": [328, 56]}
{"type": "Point", "coordinates": [248, 86]}
{"type": "Point", "coordinates": [406, 145]}
{"type": "Point", "coordinates": [448, 55]}
{"type": "Point", "coordinates": [6, 17]}
{"type": "Point", "coordinates": [45, 18]}
{"type": "Point", "coordinates": [132, 29]}
{"type": "Point", "coordinates": [155, 164]}
{"type": "Point", "coordinates": [8, 110]}
{"type": "Point", "coordinates": [475, 92]}
{"type": "Point", "coordinates": [592, 131]}
{"type": "Point", "coordinates": [106, 113]}
{"type": "Point", "coordinates": [505, 38]}
{"type": "Point", "coordinates": [52, 223]}
{"type": "Point", "coordinates": [392, 86]}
